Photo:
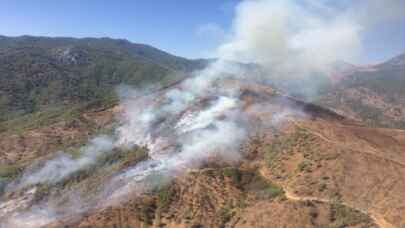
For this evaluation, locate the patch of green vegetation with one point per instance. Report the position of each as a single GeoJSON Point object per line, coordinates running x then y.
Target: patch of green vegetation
{"type": "Point", "coordinates": [45, 117]}
{"type": "Point", "coordinates": [285, 144]}
{"type": "Point", "coordinates": [9, 171]}
{"type": "Point", "coordinates": [164, 197]}
{"type": "Point", "coordinates": [3, 184]}
{"type": "Point", "coordinates": [147, 211]}
{"type": "Point", "coordinates": [323, 186]}
{"type": "Point", "coordinates": [117, 159]}
{"type": "Point", "coordinates": [263, 188]}
{"type": "Point", "coordinates": [234, 174]}
{"type": "Point", "coordinates": [271, 191]}
{"type": "Point", "coordinates": [342, 216]}
{"type": "Point", "coordinates": [225, 214]}
{"type": "Point", "coordinates": [304, 166]}
{"type": "Point", "coordinates": [124, 156]}
{"type": "Point", "coordinates": [399, 125]}
{"type": "Point", "coordinates": [272, 151]}
{"type": "Point", "coordinates": [370, 114]}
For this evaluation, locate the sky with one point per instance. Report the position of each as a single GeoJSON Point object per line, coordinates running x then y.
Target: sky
{"type": "Point", "coordinates": [186, 28]}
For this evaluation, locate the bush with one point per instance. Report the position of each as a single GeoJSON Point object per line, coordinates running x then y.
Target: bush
{"type": "Point", "coordinates": [272, 191]}
{"type": "Point", "coordinates": [3, 183]}
{"type": "Point", "coordinates": [147, 211]}
{"type": "Point", "coordinates": [164, 197]}
{"type": "Point", "coordinates": [225, 215]}
{"type": "Point", "coordinates": [343, 216]}
{"type": "Point", "coordinates": [9, 171]}
{"type": "Point", "coordinates": [126, 157]}
{"type": "Point", "coordinates": [264, 188]}
{"type": "Point", "coordinates": [234, 174]}
{"type": "Point", "coordinates": [304, 165]}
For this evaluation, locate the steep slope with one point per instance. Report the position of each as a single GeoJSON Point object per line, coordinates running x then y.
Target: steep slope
{"type": "Point", "coordinates": [38, 73]}
{"type": "Point", "coordinates": [316, 169]}
{"type": "Point", "coordinates": [373, 94]}
{"type": "Point", "coordinates": [306, 168]}
{"type": "Point", "coordinates": [348, 164]}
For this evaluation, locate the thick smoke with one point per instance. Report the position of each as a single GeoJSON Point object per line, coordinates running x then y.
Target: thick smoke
{"type": "Point", "coordinates": [299, 43]}
{"type": "Point", "coordinates": [286, 37]}
{"type": "Point", "coordinates": [304, 35]}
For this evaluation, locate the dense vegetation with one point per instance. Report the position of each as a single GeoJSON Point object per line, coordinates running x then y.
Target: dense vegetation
{"type": "Point", "coordinates": [37, 73]}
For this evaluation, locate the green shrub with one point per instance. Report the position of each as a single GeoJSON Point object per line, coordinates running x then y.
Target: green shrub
{"type": "Point", "coordinates": [264, 188]}
{"type": "Point", "coordinates": [225, 215]}
{"type": "Point", "coordinates": [342, 216]}
{"type": "Point", "coordinates": [234, 174]}
{"type": "Point", "coordinates": [3, 183]}
{"type": "Point", "coordinates": [125, 156]}
{"type": "Point", "coordinates": [147, 211]}
{"type": "Point", "coordinates": [9, 171]}
{"type": "Point", "coordinates": [164, 197]}
{"type": "Point", "coordinates": [304, 165]}
{"type": "Point", "coordinates": [272, 191]}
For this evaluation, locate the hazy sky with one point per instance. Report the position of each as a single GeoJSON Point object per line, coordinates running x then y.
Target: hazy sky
{"type": "Point", "coordinates": [183, 27]}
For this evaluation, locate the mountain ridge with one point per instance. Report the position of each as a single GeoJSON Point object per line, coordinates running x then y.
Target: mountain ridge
{"type": "Point", "coordinates": [373, 94]}
{"type": "Point", "coordinates": [39, 72]}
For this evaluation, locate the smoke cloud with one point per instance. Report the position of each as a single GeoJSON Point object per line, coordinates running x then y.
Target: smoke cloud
{"type": "Point", "coordinates": [303, 40]}
{"type": "Point", "coordinates": [306, 35]}
{"type": "Point", "coordinates": [63, 164]}
{"type": "Point", "coordinates": [286, 37]}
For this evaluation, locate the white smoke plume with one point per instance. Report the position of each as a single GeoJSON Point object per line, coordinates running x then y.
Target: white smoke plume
{"type": "Point", "coordinates": [300, 42]}
{"type": "Point", "coordinates": [182, 127]}
{"type": "Point", "coordinates": [305, 35]}
{"type": "Point", "coordinates": [63, 164]}
{"type": "Point", "coordinates": [37, 217]}
{"type": "Point", "coordinates": [286, 37]}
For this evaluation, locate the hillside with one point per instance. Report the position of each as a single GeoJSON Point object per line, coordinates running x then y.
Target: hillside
{"type": "Point", "coordinates": [65, 160]}
{"type": "Point", "coordinates": [316, 169]}
{"type": "Point", "coordinates": [39, 73]}
{"type": "Point", "coordinates": [373, 94]}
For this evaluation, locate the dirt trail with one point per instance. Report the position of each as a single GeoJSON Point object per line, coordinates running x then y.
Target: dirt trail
{"type": "Point", "coordinates": [348, 147]}
{"type": "Point", "coordinates": [378, 220]}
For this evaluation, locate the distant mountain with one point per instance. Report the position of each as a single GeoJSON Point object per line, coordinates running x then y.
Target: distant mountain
{"type": "Point", "coordinates": [37, 73]}
{"type": "Point", "coordinates": [397, 62]}
{"type": "Point", "coordinates": [374, 93]}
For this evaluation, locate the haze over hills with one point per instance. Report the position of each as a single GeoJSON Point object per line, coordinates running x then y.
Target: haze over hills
{"type": "Point", "coordinates": [373, 94]}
